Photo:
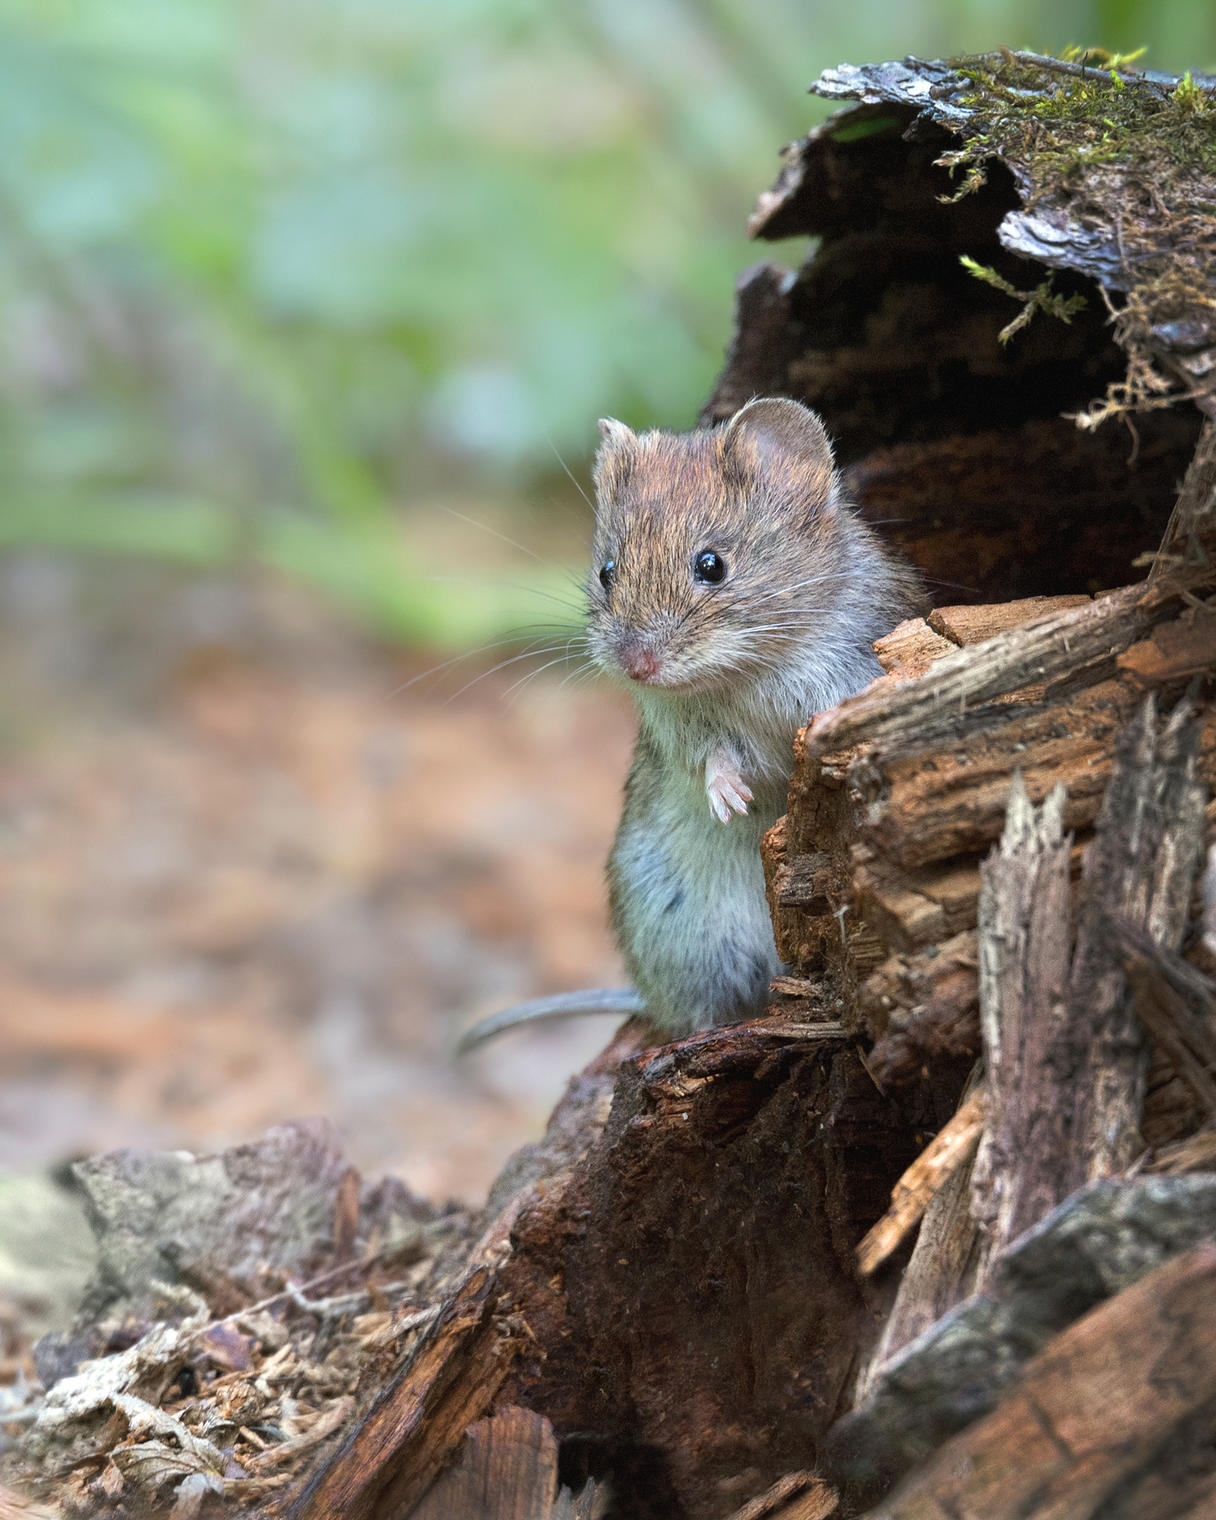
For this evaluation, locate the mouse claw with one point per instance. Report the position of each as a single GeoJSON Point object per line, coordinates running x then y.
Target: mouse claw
{"type": "Point", "coordinates": [726, 789]}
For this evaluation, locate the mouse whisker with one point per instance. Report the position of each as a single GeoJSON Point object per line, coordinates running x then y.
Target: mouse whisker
{"type": "Point", "coordinates": [527, 654]}
{"type": "Point", "coordinates": [814, 580]}
{"type": "Point", "coordinates": [532, 674]}
{"type": "Point", "coordinates": [577, 606]}
{"type": "Point", "coordinates": [570, 474]}
{"type": "Point", "coordinates": [468, 654]}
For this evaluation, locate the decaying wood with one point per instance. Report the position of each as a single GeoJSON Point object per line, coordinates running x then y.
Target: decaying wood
{"type": "Point", "coordinates": [1083, 1432]}
{"type": "Point", "coordinates": [415, 1426]}
{"type": "Point", "coordinates": [797, 1496]}
{"type": "Point", "coordinates": [507, 1470]}
{"type": "Point", "coordinates": [1078, 642]}
{"type": "Point", "coordinates": [1139, 869]}
{"type": "Point", "coordinates": [700, 1259]}
{"type": "Point", "coordinates": [1099, 1242]}
{"type": "Point", "coordinates": [1022, 1170]}
{"type": "Point", "coordinates": [972, 625]}
{"type": "Point", "coordinates": [941, 1271]}
{"type": "Point", "coordinates": [1197, 1153]}
{"type": "Point", "coordinates": [1187, 1040]}
{"type": "Point", "coordinates": [1191, 533]}
{"type": "Point", "coordinates": [948, 1152]}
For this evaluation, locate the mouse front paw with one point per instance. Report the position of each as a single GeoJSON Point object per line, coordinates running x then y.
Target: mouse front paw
{"type": "Point", "coordinates": [725, 787]}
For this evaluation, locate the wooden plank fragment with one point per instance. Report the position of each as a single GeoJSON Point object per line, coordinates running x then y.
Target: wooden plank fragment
{"type": "Point", "coordinates": [1069, 643]}
{"type": "Point", "coordinates": [411, 1431]}
{"type": "Point", "coordinates": [1021, 1170]}
{"type": "Point", "coordinates": [1089, 1414]}
{"type": "Point", "coordinates": [972, 625]}
{"type": "Point", "coordinates": [1139, 869]}
{"type": "Point", "coordinates": [506, 1470]}
{"type": "Point", "coordinates": [949, 1150]}
{"type": "Point", "coordinates": [911, 647]}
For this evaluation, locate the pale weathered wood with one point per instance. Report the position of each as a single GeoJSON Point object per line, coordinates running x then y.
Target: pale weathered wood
{"type": "Point", "coordinates": [1139, 869]}
{"type": "Point", "coordinates": [1085, 1422]}
{"type": "Point", "coordinates": [1021, 1170]}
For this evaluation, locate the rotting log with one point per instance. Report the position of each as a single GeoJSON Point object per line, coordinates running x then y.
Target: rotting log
{"type": "Point", "coordinates": [1112, 1418]}
{"type": "Point", "coordinates": [699, 1333]}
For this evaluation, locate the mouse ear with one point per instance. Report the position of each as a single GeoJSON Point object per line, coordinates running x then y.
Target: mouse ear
{"type": "Point", "coordinates": [775, 433]}
{"type": "Point", "coordinates": [612, 458]}
{"type": "Point", "coordinates": [613, 431]}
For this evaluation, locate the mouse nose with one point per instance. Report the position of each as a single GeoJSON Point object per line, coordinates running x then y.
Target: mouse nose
{"type": "Point", "coordinates": [638, 662]}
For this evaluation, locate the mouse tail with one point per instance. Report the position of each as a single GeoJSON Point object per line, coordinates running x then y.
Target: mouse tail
{"type": "Point", "coordinates": [619, 1000]}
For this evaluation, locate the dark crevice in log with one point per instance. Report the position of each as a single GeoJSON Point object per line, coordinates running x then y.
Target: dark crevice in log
{"type": "Point", "coordinates": [958, 444]}
{"type": "Point", "coordinates": [735, 1171]}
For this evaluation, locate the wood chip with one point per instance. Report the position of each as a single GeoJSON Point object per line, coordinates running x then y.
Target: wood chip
{"type": "Point", "coordinates": [949, 1150]}
{"type": "Point", "coordinates": [797, 1496]}
{"type": "Point", "coordinates": [911, 647]}
{"type": "Point", "coordinates": [506, 1470]}
{"type": "Point", "coordinates": [972, 625]}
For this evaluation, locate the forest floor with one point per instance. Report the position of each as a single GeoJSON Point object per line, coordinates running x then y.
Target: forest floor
{"type": "Point", "coordinates": [248, 874]}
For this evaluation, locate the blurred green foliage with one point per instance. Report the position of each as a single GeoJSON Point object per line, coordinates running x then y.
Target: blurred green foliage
{"type": "Point", "coordinates": [278, 275]}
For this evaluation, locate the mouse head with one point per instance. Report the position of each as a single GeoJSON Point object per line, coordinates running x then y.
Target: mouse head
{"type": "Point", "coordinates": [716, 552]}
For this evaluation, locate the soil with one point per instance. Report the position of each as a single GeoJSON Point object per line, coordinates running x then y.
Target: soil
{"type": "Point", "coordinates": [250, 874]}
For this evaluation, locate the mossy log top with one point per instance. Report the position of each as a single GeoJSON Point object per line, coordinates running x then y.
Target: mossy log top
{"type": "Point", "coordinates": [1113, 178]}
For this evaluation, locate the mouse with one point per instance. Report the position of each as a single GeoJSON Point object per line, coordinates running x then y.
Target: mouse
{"type": "Point", "coordinates": [734, 593]}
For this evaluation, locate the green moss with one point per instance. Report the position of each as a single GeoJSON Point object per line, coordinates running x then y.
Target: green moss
{"type": "Point", "coordinates": [1059, 124]}
{"type": "Point", "coordinates": [1124, 156]}
{"type": "Point", "coordinates": [1041, 298]}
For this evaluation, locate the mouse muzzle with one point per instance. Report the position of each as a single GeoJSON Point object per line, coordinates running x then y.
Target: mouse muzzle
{"type": "Point", "coordinates": [637, 658]}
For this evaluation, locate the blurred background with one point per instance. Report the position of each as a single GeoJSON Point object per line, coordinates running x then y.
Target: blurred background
{"type": "Point", "coordinates": [306, 309]}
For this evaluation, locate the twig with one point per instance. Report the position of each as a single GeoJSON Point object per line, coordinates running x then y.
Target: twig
{"type": "Point", "coordinates": [1082, 70]}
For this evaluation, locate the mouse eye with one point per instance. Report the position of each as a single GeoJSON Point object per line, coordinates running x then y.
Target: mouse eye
{"type": "Point", "coordinates": [709, 567]}
{"type": "Point", "coordinates": [607, 573]}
